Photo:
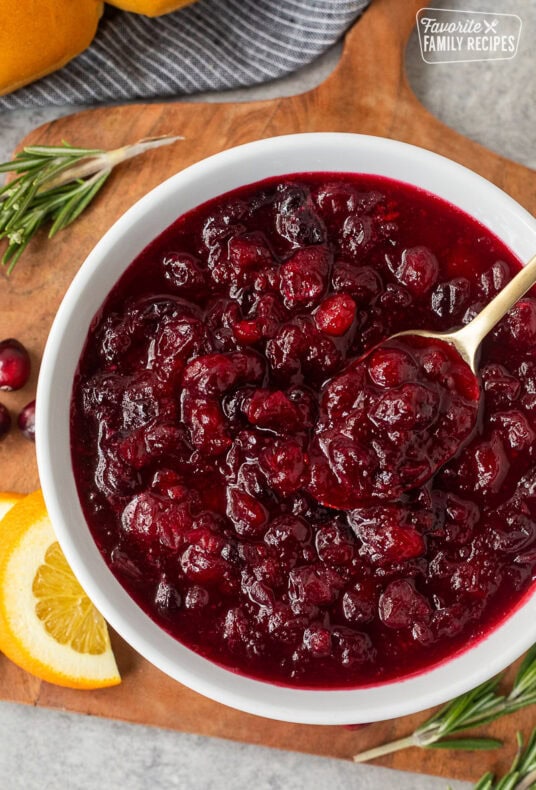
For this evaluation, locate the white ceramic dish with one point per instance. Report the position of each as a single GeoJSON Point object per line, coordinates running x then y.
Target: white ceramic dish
{"type": "Point", "coordinates": [149, 217]}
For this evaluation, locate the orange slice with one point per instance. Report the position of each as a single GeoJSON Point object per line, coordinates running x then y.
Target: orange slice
{"type": "Point", "coordinates": [7, 500]}
{"type": "Point", "coordinates": [48, 625]}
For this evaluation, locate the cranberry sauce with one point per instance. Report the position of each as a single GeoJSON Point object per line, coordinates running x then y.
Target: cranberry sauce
{"type": "Point", "coordinates": [390, 420]}
{"type": "Point", "coordinates": [201, 417]}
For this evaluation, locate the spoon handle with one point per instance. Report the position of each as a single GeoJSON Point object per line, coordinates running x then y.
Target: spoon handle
{"type": "Point", "coordinates": [474, 333]}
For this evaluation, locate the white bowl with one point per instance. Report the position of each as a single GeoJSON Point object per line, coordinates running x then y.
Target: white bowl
{"type": "Point", "coordinates": [130, 234]}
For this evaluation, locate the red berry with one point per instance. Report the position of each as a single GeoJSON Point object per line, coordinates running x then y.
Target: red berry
{"type": "Point", "coordinates": [359, 603]}
{"type": "Point", "coordinates": [283, 464]}
{"type": "Point", "coordinates": [247, 331]}
{"type": "Point", "coordinates": [336, 314]}
{"type": "Point", "coordinates": [490, 464]}
{"type": "Point", "coordinates": [304, 276]}
{"type": "Point", "coordinates": [5, 421]}
{"type": "Point", "coordinates": [317, 641]}
{"type": "Point", "coordinates": [401, 605]}
{"type": "Point", "coordinates": [521, 323]}
{"type": "Point", "coordinates": [363, 282]}
{"type": "Point", "coordinates": [14, 365]}
{"type": "Point", "coordinates": [246, 513]}
{"type": "Point", "coordinates": [26, 421]}
{"type": "Point", "coordinates": [313, 584]}
{"type": "Point", "coordinates": [390, 367]}
{"type": "Point", "coordinates": [184, 272]}
{"type": "Point", "coordinates": [418, 270]}
{"type": "Point", "coordinates": [334, 544]}
{"type": "Point", "coordinates": [273, 410]}
{"type": "Point", "coordinates": [247, 252]}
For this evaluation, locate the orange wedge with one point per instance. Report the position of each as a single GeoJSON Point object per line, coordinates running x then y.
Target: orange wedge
{"type": "Point", "coordinates": [48, 625]}
{"type": "Point", "coordinates": [7, 500]}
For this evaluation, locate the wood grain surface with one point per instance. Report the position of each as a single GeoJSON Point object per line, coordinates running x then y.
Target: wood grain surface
{"type": "Point", "coordinates": [368, 92]}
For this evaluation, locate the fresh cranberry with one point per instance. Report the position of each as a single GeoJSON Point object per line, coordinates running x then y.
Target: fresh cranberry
{"type": "Point", "coordinates": [273, 410]}
{"type": "Point", "coordinates": [357, 234]}
{"type": "Point", "coordinates": [285, 352]}
{"type": "Point", "coordinates": [521, 322]}
{"type": "Point", "coordinates": [386, 533]}
{"type": "Point", "coordinates": [335, 315]}
{"type": "Point", "coordinates": [26, 421]}
{"type": "Point", "coordinates": [249, 251]}
{"type": "Point", "coordinates": [296, 221]}
{"type": "Point", "coordinates": [317, 641]}
{"type": "Point", "coordinates": [516, 429]}
{"type": "Point", "coordinates": [184, 272]}
{"type": "Point", "coordinates": [246, 513]}
{"type": "Point", "coordinates": [360, 602]}
{"type": "Point", "coordinates": [283, 463]}
{"type": "Point", "coordinates": [14, 365]}
{"type": "Point", "coordinates": [248, 331]}
{"type": "Point", "coordinates": [196, 597]}
{"type": "Point", "coordinates": [362, 283]}
{"type": "Point", "coordinates": [391, 367]}
{"type": "Point", "coordinates": [352, 647]}
{"type": "Point", "coordinates": [400, 605]}
{"type": "Point", "coordinates": [450, 299]}
{"type": "Point", "coordinates": [5, 421]}
{"type": "Point", "coordinates": [304, 277]}
{"type": "Point", "coordinates": [335, 544]}
{"type": "Point", "coordinates": [315, 585]}
{"type": "Point", "coordinates": [495, 278]}
{"type": "Point", "coordinates": [418, 270]}
{"type": "Point", "coordinates": [167, 599]}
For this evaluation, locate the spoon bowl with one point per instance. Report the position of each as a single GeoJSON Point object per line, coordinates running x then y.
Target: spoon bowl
{"type": "Point", "coordinates": [415, 405]}
{"type": "Point", "coordinates": [467, 340]}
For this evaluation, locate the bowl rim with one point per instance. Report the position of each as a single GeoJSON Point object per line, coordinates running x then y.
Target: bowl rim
{"type": "Point", "coordinates": [391, 699]}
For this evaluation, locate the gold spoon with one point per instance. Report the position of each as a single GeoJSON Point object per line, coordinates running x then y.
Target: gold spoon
{"type": "Point", "coordinates": [467, 340]}
{"type": "Point", "coordinates": [325, 484]}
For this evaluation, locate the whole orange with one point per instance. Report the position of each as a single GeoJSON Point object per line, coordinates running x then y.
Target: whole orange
{"type": "Point", "coordinates": [40, 36]}
{"type": "Point", "coordinates": [150, 7]}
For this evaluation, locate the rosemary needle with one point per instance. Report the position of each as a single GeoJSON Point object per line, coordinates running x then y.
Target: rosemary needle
{"type": "Point", "coordinates": [522, 773]}
{"type": "Point", "coordinates": [55, 184]}
{"type": "Point", "coordinates": [473, 709]}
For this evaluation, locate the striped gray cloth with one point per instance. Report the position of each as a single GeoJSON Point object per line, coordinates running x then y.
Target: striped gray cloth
{"type": "Point", "coordinates": [211, 45]}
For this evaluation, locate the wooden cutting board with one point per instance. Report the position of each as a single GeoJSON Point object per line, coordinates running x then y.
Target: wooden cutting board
{"type": "Point", "coordinates": [368, 93]}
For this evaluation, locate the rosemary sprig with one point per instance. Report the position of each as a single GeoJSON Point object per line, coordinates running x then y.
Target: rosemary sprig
{"type": "Point", "coordinates": [55, 184]}
{"type": "Point", "coordinates": [522, 773]}
{"type": "Point", "coordinates": [475, 708]}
